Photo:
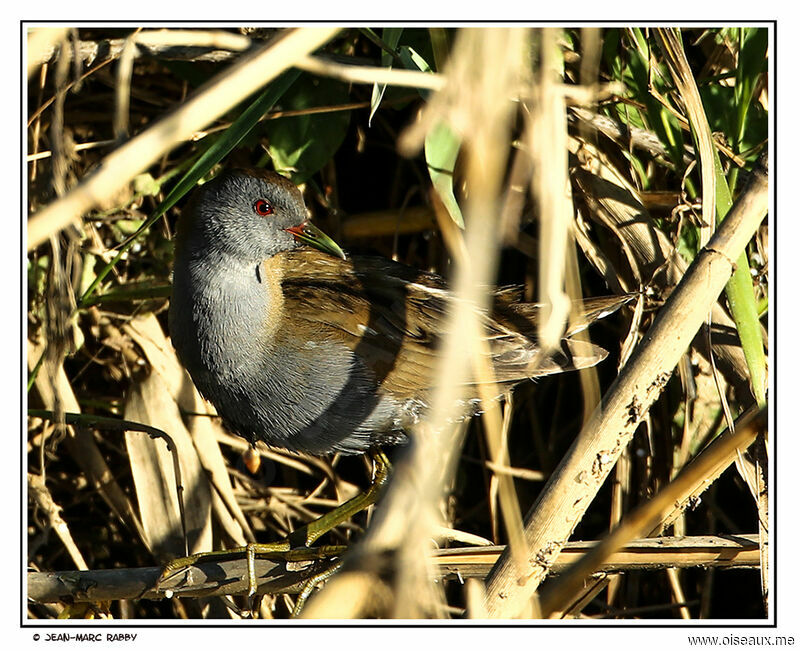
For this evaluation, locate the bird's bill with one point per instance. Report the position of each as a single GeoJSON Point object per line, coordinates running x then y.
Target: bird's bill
{"type": "Point", "coordinates": [309, 234]}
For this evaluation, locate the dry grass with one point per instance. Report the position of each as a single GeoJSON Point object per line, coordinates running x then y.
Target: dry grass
{"type": "Point", "coordinates": [548, 168]}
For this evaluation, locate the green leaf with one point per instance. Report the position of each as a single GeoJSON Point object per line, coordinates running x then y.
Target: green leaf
{"type": "Point", "coordinates": [741, 298]}
{"type": "Point", "coordinates": [232, 136]}
{"type": "Point", "coordinates": [442, 145]}
{"type": "Point", "coordinates": [752, 61]}
{"type": "Point", "coordinates": [441, 152]}
{"type": "Point", "coordinates": [660, 119]}
{"type": "Point", "coordinates": [300, 145]}
{"type": "Point", "coordinates": [739, 289]}
{"type": "Point", "coordinates": [413, 60]}
{"type": "Point", "coordinates": [391, 36]}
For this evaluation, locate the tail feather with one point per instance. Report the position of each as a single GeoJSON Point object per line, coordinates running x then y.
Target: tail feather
{"type": "Point", "coordinates": [533, 362]}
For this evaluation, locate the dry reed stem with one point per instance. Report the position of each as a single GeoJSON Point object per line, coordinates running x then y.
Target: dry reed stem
{"type": "Point", "coordinates": [152, 468]}
{"type": "Point", "coordinates": [485, 65]}
{"type": "Point", "coordinates": [762, 502]}
{"type": "Point", "coordinates": [224, 91]}
{"type": "Point", "coordinates": [194, 38]}
{"type": "Point", "coordinates": [673, 576]}
{"type": "Point", "coordinates": [475, 594]}
{"type": "Point", "coordinates": [220, 577]}
{"type": "Point", "coordinates": [167, 43]}
{"type": "Point", "coordinates": [496, 434]}
{"type": "Point", "coordinates": [470, 564]}
{"type": "Point", "coordinates": [40, 45]}
{"type": "Point", "coordinates": [693, 492]}
{"type": "Point", "coordinates": [559, 279]}
{"type": "Point", "coordinates": [122, 88]}
{"type": "Point", "coordinates": [614, 203]}
{"type": "Point", "coordinates": [583, 470]}
{"type": "Point", "coordinates": [413, 219]}
{"type": "Point", "coordinates": [38, 491]}
{"type": "Point", "coordinates": [81, 444]}
{"type": "Point", "coordinates": [641, 554]}
{"type": "Point", "coordinates": [495, 427]}
{"type": "Point", "coordinates": [552, 191]}
{"type": "Point", "coordinates": [645, 516]}
{"type": "Point", "coordinates": [371, 74]}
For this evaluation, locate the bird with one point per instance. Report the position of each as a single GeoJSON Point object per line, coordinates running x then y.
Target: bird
{"type": "Point", "coordinates": [302, 347]}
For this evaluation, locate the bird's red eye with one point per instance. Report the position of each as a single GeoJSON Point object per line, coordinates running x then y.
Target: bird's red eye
{"type": "Point", "coordinates": [263, 207]}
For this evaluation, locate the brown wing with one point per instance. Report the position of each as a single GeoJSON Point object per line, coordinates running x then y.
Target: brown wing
{"type": "Point", "coordinates": [373, 307]}
{"type": "Point", "coordinates": [393, 317]}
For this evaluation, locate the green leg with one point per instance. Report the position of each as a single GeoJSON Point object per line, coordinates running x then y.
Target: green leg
{"type": "Point", "coordinates": [310, 584]}
{"type": "Point", "coordinates": [306, 535]}
{"type": "Point", "coordinates": [296, 545]}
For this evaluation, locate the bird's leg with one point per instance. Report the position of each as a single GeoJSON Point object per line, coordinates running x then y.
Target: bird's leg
{"type": "Point", "coordinates": [296, 547]}
{"type": "Point", "coordinates": [313, 530]}
{"type": "Point", "coordinates": [306, 535]}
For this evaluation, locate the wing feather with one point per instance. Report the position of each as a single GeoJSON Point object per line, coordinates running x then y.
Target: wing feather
{"type": "Point", "coordinates": [393, 318]}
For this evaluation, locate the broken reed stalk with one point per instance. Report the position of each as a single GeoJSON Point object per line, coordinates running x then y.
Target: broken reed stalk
{"type": "Point", "coordinates": [591, 457]}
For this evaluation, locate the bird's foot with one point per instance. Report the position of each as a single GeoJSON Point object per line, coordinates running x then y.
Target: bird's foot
{"type": "Point", "coordinates": [281, 551]}
{"type": "Point", "coordinates": [313, 582]}
{"type": "Point", "coordinates": [296, 547]}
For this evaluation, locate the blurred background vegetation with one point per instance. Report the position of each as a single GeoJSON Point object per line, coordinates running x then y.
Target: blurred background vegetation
{"type": "Point", "coordinates": [94, 327]}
